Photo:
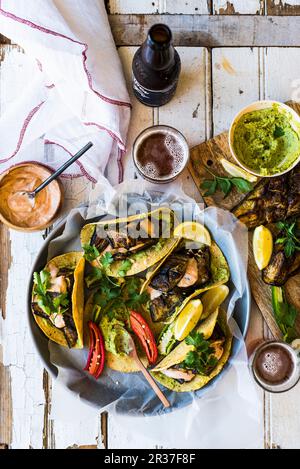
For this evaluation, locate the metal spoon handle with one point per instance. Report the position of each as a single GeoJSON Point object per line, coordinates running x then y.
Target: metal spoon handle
{"type": "Point", "coordinates": [63, 168]}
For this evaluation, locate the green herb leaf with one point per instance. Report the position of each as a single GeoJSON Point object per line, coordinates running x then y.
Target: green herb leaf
{"type": "Point", "coordinates": [290, 239]}
{"type": "Point", "coordinates": [289, 248]}
{"type": "Point", "coordinates": [90, 252]}
{"type": "Point", "coordinates": [225, 185]}
{"type": "Point", "coordinates": [210, 185]}
{"type": "Point", "coordinates": [195, 339]}
{"type": "Point", "coordinates": [284, 313]}
{"type": "Point", "coordinates": [125, 267]}
{"type": "Point", "coordinates": [201, 359]}
{"type": "Point", "coordinates": [61, 300]}
{"type": "Point", "coordinates": [242, 184]}
{"type": "Point", "coordinates": [106, 259]}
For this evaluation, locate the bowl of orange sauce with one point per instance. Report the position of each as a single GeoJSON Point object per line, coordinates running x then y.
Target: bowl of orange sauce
{"type": "Point", "coordinates": [16, 209]}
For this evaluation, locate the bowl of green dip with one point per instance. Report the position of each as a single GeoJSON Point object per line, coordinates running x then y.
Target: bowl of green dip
{"type": "Point", "coordinates": [264, 138]}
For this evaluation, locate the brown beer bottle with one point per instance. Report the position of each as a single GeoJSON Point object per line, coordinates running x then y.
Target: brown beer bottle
{"type": "Point", "coordinates": [156, 67]}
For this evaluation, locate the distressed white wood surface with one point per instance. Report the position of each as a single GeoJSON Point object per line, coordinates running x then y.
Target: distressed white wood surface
{"type": "Point", "coordinates": [159, 6]}
{"type": "Point", "coordinates": [238, 6]}
{"type": "Point", "coordinates": [236, 82]}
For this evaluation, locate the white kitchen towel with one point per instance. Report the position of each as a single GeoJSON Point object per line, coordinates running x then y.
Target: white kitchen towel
{"type": "Point", "coordinates": [78, 92]}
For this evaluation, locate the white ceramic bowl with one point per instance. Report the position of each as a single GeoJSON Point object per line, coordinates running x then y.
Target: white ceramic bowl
{"type": "Point", "coordinates": [256, 106]}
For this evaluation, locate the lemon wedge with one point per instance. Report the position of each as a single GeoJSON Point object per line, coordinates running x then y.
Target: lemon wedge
{"type": "Point", "coordinates": [193, 231]}
{"type": "Point", "coordinates": [213, 298]}
{"type": "Point", "coordinates": [188, 319]}
{"type": "Point", "coordinates": [236, 171]}
{"type": "Point", "coordinates": [262, 246]}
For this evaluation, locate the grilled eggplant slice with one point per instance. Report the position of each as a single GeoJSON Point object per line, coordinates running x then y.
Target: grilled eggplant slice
{"type": "Point", "coordinates": [272, 200]}
{"type": "Point", "coordinates": [164, 305]}
{"type": "Point", "coordinates": [281, 268]}
{"type": "Point", "coordinates": [170, 273]}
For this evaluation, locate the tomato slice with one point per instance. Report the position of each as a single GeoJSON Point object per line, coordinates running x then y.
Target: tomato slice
{"type": "Point", "coordinates": [145, 336]}
{"type": "Point", "coordinates": [96, 357]}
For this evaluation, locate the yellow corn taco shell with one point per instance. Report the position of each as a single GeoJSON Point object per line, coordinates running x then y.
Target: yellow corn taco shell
{"type": "Point", "coordinates": [200, 380]}
{"type": "Point", "coordinates": [76, 261]}
{"type": "Point", "coordinates": [149, 256]}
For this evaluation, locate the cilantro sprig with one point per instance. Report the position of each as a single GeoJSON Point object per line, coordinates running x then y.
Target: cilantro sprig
{"type": "Point", "coordinates": [125, 267]}
{"type": "Point", "coordinates": [290, 237]}
{"type": "Point", "coordinates": [202, 358]}
{"type": "Point", "coordinates": [50, 305]}
{"type": "Point", "coordinates": [91, 253]}
{"type": "Point", "coordinates": [117, 301]}
{"type": "Point", "coordinates": [225, 184]}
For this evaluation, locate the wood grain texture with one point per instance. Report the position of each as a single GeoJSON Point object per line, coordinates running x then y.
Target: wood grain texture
{"type": "Point", "coordinates": [211, 31]}
{"type": "Point", "coordinates": [208, 155]}
{"type": "Point", "coordinates": [6, 418]}
{"type": "Point", "coordinates": [5, 251]}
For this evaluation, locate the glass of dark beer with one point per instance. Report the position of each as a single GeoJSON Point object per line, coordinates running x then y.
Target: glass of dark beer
{"type": "Point", "coordinates": [160, 153]}
{"type": "Point", "coordinates": [275, 366]}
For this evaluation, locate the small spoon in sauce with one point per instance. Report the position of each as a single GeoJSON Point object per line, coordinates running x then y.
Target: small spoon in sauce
{"type": "Point", "coordinates": [32, 194]}
{"type": "Point", "coordinates": [133, 354]}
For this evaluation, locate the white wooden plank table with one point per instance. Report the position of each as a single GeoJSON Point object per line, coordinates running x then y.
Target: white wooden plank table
{"type": "Point", "coordinates": [215, 83]}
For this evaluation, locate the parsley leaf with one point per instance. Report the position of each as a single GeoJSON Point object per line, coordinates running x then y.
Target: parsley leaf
{"type": "Point", "coordinates": [90, 252]}
{"type": "Point", "coordinates": [61, 300]}
{"type": "Point", "coordinates": [106, 259]}
{"type": "Point", "coordinates": [125, 267]}
{"type": "Point", "coordinates": [202, 358]}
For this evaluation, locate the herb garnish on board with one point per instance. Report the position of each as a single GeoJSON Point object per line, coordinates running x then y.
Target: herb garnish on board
{"type": "Point", "coordinates": [290, 237]}
{"type": "Point", "coordinates": [225, 184]}
{"type": "Point", "coordinates": [285, 314]}
{"type": "Point", "coordinates": [201, 358]}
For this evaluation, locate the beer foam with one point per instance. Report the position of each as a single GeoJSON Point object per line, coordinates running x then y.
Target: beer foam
{"type": "Point", "coordinates": [150, 170]}
{"type": "Point", "coordinates": [272, 363]}
{"type": "Point", "coordinates": [176, 151]}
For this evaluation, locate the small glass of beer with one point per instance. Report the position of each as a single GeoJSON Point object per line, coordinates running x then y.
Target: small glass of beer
{"type": "Point", "coordinates": [275, 366]}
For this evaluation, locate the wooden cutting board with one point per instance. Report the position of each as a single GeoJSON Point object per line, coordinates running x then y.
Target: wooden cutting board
{"type": "Point", "coordinates": [209, 154]}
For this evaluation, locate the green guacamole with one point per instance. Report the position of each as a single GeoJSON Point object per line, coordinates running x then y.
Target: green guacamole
{"type": "Point", "coordinates": [265, 141]}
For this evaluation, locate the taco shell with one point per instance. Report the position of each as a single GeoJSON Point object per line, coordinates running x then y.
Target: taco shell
{"type": "Point", "coordinates": [180, 352]}
{"type": "Point", "coordinates": [76, 261]}
{"type": "Point", "coordinates": [146, 257]}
